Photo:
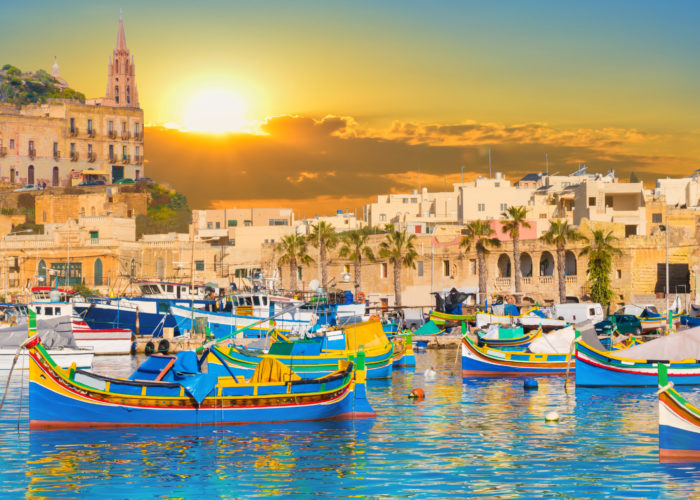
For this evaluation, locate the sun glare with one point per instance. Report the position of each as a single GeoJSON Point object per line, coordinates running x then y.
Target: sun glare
{"type": "Point", "coordinates": [215, 111]}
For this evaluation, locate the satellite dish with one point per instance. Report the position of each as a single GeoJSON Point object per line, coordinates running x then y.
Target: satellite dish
{"type": "Point", "coordinates": [313, 285]}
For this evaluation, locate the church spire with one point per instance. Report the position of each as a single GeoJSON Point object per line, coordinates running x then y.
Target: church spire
{"type": "Point", "coordinates": [121, 76]}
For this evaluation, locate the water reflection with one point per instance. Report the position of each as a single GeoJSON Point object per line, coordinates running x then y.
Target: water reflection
{"type": "Point", "coordinates": [468, 437]}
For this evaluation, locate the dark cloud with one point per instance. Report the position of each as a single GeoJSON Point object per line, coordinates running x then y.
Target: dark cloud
{"type": "Point", "coordinates": [300, 158]}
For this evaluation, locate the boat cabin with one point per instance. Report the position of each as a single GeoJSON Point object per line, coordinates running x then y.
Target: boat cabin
{"type": "Point", "coordinates": [177, 291]}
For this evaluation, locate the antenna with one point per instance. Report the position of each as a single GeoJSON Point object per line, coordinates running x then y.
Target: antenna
{"type": "Point", "coordinates": [546, 162]}
{"type": "Point", "coordinates": [489, 163]}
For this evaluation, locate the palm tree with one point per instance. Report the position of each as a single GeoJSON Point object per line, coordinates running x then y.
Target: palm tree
{"type": "Point", "coordinates": [600, 251]}
{"type": "Point", "coordinates": [559, 234]}
{"type": "Point", "coordinates": [323, 237]}
{"type": "Point", "coordinates": [354, 248]}
{"type": "Point", "coordinates": [400, 250]}
{"type": "Point", "coordinates": [479, 234]}
{"type": "Point", "coordinates": [515, 217]}
{"type": "Point", "coordinates": [293, 248]}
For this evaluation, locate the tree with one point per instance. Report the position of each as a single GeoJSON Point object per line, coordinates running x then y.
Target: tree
{"type": "Point", "coordinates": [355, 248]}
{"type": "Point", "coordinates": [480, 235]}
{"type": "Point", "coordinates": [559, 234]}
{"type": "Point", "coordinates": [293, 249]}
{"type": "Point", "coordinates": [399, 248]}
{"type": "Point", "coordinates": [600, 251]}
{"type": "Point", "coordinates": [515, 217]}
{"type": "Point", "coordinates": [323, 237]}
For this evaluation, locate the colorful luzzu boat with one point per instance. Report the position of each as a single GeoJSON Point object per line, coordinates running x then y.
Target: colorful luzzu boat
{"type": "Point", "coordinates": [651, 321]}
{"type": "Point", "coordinates": [315, 357]}
{"type": "Point", "coordinates": [439, 318]}
{"type": "Point", "coordinates": [171, 390]}
{"type": "Point", "coordinates": [679, 423]}
{"type": "Point", "coordinates": [486, 361]}
{"type": "Point", "coordinates": [637, 366]}
{"type": "Point", "coordinates": [511, 337]}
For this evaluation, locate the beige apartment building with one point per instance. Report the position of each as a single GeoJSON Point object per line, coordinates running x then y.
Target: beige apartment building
{"type": "Point", "coordinates": [619, 202]}
{"type": "Point", "coordinates": [54, 208]}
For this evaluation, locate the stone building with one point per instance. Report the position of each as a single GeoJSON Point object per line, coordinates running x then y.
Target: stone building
{"type": "Point", "coordinates": [54, 208]}
{"type": "Point", "coordinates": [57, 143]}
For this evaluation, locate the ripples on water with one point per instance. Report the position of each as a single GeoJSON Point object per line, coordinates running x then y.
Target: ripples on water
{"type": "Point", "coordinates": [468, 438]}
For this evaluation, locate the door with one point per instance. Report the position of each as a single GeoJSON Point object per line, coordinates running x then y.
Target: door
{"type": "Point", "coordinates": [117, 173]}
{"type": "Point", "coordinates": [30, 174]}
{"type": "Point", "coordinates": [54, 177]}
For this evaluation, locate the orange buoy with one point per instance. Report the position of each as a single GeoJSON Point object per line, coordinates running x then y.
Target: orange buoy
{"type": "Point", "coordinates": [417, 394]}
{"type": "Point", "coordinates": [374, 317]}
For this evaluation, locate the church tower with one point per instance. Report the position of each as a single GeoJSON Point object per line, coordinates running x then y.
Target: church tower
{"type": "Point", "coordinates": [121, 80]}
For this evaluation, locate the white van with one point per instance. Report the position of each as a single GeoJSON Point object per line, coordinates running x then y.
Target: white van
{"type": "Point", "coordinates": [579, 312]}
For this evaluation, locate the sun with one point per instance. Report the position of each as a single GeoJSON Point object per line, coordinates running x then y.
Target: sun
{"type": "Point", "coordinates": [217, 111]}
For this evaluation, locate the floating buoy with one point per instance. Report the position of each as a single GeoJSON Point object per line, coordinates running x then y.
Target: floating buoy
{"type": "Point", "coordinates": [551, 416]}
{"type": "Point", "coordinates": [417, 394]}
{"type": "Point", "coordinates": [530, 384]}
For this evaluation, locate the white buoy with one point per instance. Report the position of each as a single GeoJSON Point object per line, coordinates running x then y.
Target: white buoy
{"type": "Point", "coordinates": [551, 416]}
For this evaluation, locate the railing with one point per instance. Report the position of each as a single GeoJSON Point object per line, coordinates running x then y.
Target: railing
{"type": "Point", "coordinates": [91, 157]}
{"type": "Point", "coordinates": [546, 280]}
{"type": "Point", "coordinates": [91, 132]}
{"type": "Point", "coordinates": [112, 134]}
{"type": "Point", "coordinates": [125, 134]}
{"type": "Point", "coordinates": [32, 153]}
{"type": "Point", "coordinates": [502, 281]}
{"type": "Point", "coordinates": [56, 154]}
{"type": "Point", "coordinates": [113, 158]}
{"type": "Point", "coordinates": [571, 279]}
{"type": "Point", "coordinates": [126, 158]}
{"type": "Point", "coordinates": [74, 131]}
{"type": "Point", "coordinates": [138, 159]}
{"type": "Point", "coordinates": [3, 151]}
{"type": "Point", "coordinates": [138, 136]}
{"type": "Point", "coordinates": [527, 280]}
{"type": "Point", "coordinates": [74, 155]}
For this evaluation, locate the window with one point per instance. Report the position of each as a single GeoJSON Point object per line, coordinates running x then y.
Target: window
{"type": "Point", "coordinates": [116, 93]}
{"type": "Point", "coordinates": [630, 230]}
{"type": "Point", "coordinates": [420, 268]}
{"type": "Point", "coordinates": [414, 200]}
{"type": "Point", "coordinates": [136, 129]}
{"type": "Point", "coordinates": [31, 146]}
{"type": "Point", "coordinates": [89, 125]}
{"type": "Point", "coordinates": [138, 151]}
{"type": "Point", "coordinates": [55, 149]}
{"type": "Point", "coordinates": [72, 148]}
{"type": "Point", "coordinates": [382, 217]}
{"type": "Point", "coordinates": [94, 235]}
{"type": "Point", "coordinates": [199, 265]}
{"type": "Point", "coordinates": [472, 266]}
{"type": "Point", "coordinates": [169, 288]}
{"type": "Point", "coordinates": [619, 274]}
{"type": "Point", "coordinates": [232, 223]}
{"type": "Point", "coordinates": [111, 126]}
{"type": "Point", "coordinates": [72, 124]}
{"type": "Point", "coordinates": [445, 267]}
{"type": "Point", "coordinates": [299, 272]}
{"type": "Point", "coordinates": [247, 223]}
{"type": "Point", "coordinates": [504, 207]}
{"type": "Point", "coordinates": [656, 218]}
{"type": "Point", "coordinates": [232, 242]}
{"type": "Point", "coordinates": [481, 207]}
{"type": "Point", "coordinates": [383, 270]}
{"type": "Point", "coordinates": [89, 149]}
{"type": "Point", "coordinates": [111, 151]}
{"type": "Point", "coordinates": [278, 222]}
{"type": "Point", "coordinates": [591, 201]}
{"type": "Point", "coordinates": [405, 200]}
{"type": "Point", "coordinates": [128, 97]}
{"type": "Point", "coordinates": [218, 225]}
{"type": "Point", "coordinates": [12, 144]}
{"type": "Point", "coordinates": [124, 153]}
{"type": "Point", "coordinates": [209, 225]}
{"type": "Point", "coordinates": [543, 216]}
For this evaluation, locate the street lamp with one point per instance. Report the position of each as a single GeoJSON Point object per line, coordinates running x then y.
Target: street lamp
{"type": "Point", "coordinates": [665, 230]}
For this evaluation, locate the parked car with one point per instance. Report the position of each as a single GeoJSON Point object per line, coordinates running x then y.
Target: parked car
{"type": "Point", "coordinates": [579, 312]}
{"type": "Point", "coordinates": [625, 323]}
{"type": "Point", "coordinates": [145, 179]}
{"type": "Point", "coordinates": [28, 187]}
{"type": "Point", "coordinates": [93, 183]}
{"type": "Point", "coordinates": [124, 181]}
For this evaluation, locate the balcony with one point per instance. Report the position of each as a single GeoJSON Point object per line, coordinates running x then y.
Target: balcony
{"type": "Point", "coordinates": [112, 134]}
{"type": "Point", "coordinates": [138, 159]}
{"type": "Point", "coordinates": [502, 282]}
{"type": "Point", "coordinates": [572, 280]}
{"type": "Point", "coordinates": [74, 131]}
{"type": "Point", "coordinates": [91, 132]}
{"type": "Point", "coordinates": [526, 280]}
{"type": "Point", "coordinates": [125, 134]}
{"type": "Point", "coordinates": [3, 151]}
{"type": "Point", "coordinates": [74, 155]}
{"type": "Point", "coordinates": [126, 158]}
{"type": "Point", "coordinates": [113, 158]}
{"type": "Point", "coordinates": [546, 280]}
{"type": "Point", "coordinates": [91, 157]}
{"type": "Point", "coordinates": [56, 154]}
{"type": "Point", "coordinates": [138, 136]}
{"type": "Point", "coordinates": [32, 153]}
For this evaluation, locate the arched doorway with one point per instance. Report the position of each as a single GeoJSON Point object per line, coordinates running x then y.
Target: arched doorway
{"type": "Point", "coordinates": [546, 264]}
{"type": "Point", "coordinates": [503, 266]}
{"type": "Point", "coordinates": [30, 174]}
{"type": "Point", "coordinates": [98, 272]}
{"type": "Point", "coordinates": [41, 272]}
{"type": "Point", "coordinates": [569, 263]}
{"type": "Point", "coordinates": [54, 177]}
{"type": "Point", "coordinates": [526, 265]}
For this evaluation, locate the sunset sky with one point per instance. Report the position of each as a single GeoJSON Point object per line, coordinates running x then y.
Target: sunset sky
{"type": "Point", "coordinates": [332, 103]}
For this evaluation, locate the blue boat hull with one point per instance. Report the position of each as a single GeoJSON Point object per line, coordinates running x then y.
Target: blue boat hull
{"type": "Point", "coordinates": [151, 324]}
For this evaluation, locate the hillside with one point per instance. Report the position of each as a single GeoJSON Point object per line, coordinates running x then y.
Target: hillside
{"type": "Point", "coordinates": [29, 88]}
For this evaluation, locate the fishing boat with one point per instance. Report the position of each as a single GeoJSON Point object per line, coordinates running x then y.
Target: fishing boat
{"type": "Point", "coordinates": [172, 390]}
{"type": "Point", "coordinates": [487, 361]}
{"type": "Point", "coordinates": [637, 366]}
{"type": "Point", "coordinates": [439, 318]}
{"type": "Point", "coordinates": [315, 356]}
{"type": "Point", "coordinates": [499, 337]}
{"type": "Point", "coordinates": [679, 423]}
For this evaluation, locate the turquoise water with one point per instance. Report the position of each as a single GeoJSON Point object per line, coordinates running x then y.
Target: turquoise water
{"type": "Point", "coordinates": [468, 438]}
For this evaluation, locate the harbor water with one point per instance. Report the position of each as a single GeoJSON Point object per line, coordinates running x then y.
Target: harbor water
{"type": "Point", "coordinates": [469, 438]}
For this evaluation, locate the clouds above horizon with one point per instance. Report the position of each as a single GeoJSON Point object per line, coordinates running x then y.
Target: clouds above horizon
{"type": "Point", "coordinates": [318, 162]}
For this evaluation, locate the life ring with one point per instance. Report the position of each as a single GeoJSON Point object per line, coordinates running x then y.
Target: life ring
{"type": "Point", "coordinates": [374, 317]}
{"type": "Point", "coordinates": [360, 298]}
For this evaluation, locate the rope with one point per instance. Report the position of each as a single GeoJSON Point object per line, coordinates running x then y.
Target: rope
{"type": "Point", "coordinates": [21, 393]}
{"type": "Point", "coordinates": [12, 368]}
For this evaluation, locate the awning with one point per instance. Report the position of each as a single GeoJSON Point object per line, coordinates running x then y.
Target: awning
{"type": "Point", "coordinates": [94, 172]}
